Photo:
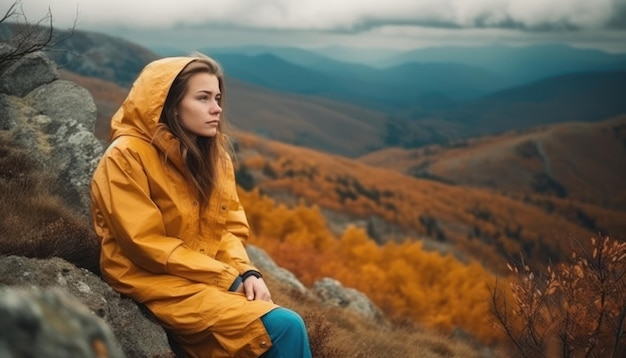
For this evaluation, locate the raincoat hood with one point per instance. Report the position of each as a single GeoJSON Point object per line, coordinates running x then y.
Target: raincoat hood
{"type": "Point", "coordinates": [140, 113]}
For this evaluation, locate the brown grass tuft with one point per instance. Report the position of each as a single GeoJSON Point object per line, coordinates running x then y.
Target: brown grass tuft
{"type": "Point", "coordinates": [37, 223]}
{"type": "Point", "coordinates": [320, 335]}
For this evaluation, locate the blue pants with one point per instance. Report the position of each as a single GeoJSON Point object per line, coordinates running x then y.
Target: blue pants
{"type": "Point", "coordinates": [288, 333]}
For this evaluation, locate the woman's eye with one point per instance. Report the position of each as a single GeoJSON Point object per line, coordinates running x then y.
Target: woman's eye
{"type": "Point", "coordinates": [218, 99]}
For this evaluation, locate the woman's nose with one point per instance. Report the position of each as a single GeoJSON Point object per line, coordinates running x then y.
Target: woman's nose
{"type": "Point", "coordinates": [215, 108]}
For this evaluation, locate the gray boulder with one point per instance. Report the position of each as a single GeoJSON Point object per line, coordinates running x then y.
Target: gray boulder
{"type": "Point", "coordinates": [51, 323]}
{"type": "Point", "coordinates": [54, 120]}
{"type": "Point", "coordinates": [64, 101]}
{"type": "Point", "coordinates": [137, 334]}
{"type": "Point", "coordinates": [267, 266]}
{"type": "Point", "coordinates": [331, 292]}
{"type": "Point", "coordinates": [7, 113]}
{"type": "Point", "coordinates": [328, 291]}
{"type": "Point", "coordinates": [27, 73]}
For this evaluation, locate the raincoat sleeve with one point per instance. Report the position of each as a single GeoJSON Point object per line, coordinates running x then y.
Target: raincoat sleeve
{"type": "Point", "coordinates": [237, 229]}
{"type": "Point", "coordinates": [121, 192]}
{"type": "Point", "coordinates": [236, 238]}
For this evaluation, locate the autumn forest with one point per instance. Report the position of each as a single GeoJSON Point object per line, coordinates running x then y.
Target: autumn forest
{"type": "Point", "coordinates": [449, 247]}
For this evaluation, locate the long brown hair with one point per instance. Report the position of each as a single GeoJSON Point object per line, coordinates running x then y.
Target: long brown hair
{"type": "Point", "coordinates": [200, 154]}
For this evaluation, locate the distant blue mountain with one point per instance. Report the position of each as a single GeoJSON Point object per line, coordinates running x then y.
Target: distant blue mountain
{"type": "Point", "coordinates": [408, 79]}
{"type": "Point", "coordinates": [465, 91]}
{"type": "Point", "coordinates": [370, 56]}
{"type": "Point", "coordinates": [590, 96]}
{"type": "Point", "coordinates": [519, 64]}
{"type": "Point", "coordinates": [474, 90]}
{"type": "Point", "coordinates": [294, 55]}
{"type": "Point", "coordinates": [389, 89]}
{"type": "Point", "coordinates": [271, 71]}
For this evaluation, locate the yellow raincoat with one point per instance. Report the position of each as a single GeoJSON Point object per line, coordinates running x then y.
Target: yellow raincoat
{"type": "Point", "coordinates": [158, 246]}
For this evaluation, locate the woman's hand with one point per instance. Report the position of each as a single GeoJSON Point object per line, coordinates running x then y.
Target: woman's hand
{"type": "Point", "coordinates": [255, 289]}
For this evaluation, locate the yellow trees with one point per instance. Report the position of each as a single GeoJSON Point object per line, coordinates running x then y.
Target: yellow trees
{"type": "Point", "coordinates": [438, 290]}
{"type": "Point", "coordinates": [403, 279]}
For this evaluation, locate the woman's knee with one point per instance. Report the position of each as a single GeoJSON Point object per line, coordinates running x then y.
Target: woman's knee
{"type": "Point", "coordinates": [288, 333]}
{"type": "Point", "coordinates": [281, 321]}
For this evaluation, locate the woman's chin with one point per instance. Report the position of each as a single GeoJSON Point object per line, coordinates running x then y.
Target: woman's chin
{"type": "Point", "coordinates": [207, 134]}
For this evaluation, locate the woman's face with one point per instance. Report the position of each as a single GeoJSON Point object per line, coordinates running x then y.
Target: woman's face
{"type": "Point", "coordinates": [199, 109]}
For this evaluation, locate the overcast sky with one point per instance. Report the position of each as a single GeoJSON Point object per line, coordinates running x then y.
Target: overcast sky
{"type": "Point", "coordinates": [383, 23]}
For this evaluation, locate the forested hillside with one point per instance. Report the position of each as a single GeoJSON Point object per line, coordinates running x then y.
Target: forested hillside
{"type": "Point", "coordinates": [579, 161]}
{"type": "Point", "coordinates": [473, 222]}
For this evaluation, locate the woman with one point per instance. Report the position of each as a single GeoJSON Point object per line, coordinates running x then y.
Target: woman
{"type": "Point", "coordinates": [173, 233]}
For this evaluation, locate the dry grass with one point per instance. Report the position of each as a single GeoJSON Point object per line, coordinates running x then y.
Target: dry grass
{"type": "Point", "coordinates": [336, 332]}
{"type": "Point", "coordinates": [36, 223]}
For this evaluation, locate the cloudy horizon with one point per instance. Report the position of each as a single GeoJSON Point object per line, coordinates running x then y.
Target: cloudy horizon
{"type": "Point", "coordinates": [400, 24]}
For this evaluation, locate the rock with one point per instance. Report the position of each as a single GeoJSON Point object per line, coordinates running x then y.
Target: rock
{"type": "Point", "coordinates": [332, 293]}
{"type": "Point", "coordinates": [75, 153]}
{"type": "Point", "coordinates": [267, 266]}
{"type": "Point", "coordinates": [51, 323]}
{"type": "Point", "coordinates": [7, 117]}
{"type": "Point", "coordinates": [138, 335]}
{"type": "Point", "coordinates": [16, 117]}
{"type": "Point", "coordinates": [54, 119]}
{"type": "Point", "coordinates": [64, 101]}
{"type": "Point", "coordinates": [27, 73]}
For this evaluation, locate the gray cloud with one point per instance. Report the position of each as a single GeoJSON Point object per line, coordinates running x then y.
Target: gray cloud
{"type": "Point", "coordinates": [618, 19]}
{"type": "Point", "coordinates": [390, 23]}
{"type": "Point", "coordinates": [342, 15]}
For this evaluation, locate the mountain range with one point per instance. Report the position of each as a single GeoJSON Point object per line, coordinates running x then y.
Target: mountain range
{"type": "Point", "coordinates": [436, 96]}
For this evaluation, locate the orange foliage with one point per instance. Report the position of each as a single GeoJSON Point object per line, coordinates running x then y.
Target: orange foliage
{"type": "Point", "coordinates": [403, 279]}
{"type": "Point", "coordinates": [479, 223]}
{"type": "Point", "coordinates": [577, 308]}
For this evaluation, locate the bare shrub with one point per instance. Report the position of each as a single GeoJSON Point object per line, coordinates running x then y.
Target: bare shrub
{"type": "Point", "coordinates": [575, 309]}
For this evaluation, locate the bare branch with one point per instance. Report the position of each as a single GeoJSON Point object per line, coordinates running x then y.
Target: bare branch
{"type": "Point", "coordinates": [579, 305]}
{"type": "Point", "coordinates": [27, 37]}
{"type": "Point", "coordinates": [10, 12]}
